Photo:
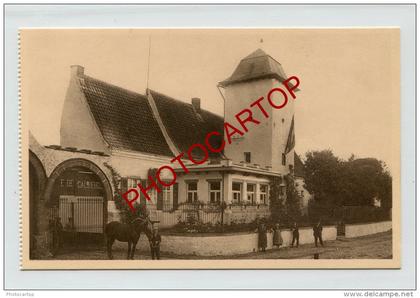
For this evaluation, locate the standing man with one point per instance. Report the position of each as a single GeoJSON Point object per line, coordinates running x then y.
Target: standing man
{"type": "Point", "coordinates": [155, 243]}
{"type": "Point", "coordinates": [262, 237]}
{"type": "Point", "coordinates": [318, 233]}
{"type": "Point", "coordinates": [295, 234]}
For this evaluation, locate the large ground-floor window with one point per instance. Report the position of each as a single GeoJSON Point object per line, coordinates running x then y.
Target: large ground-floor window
{"type": "Point", "coordinates": [192, 191]}
{"type": "Point", "coordinates": [236, 192]}
{"type": "Point", "coordinates": [250, 193]}
{"type": "Point", "coordinates": [263, 193]}
{"type": "Point", "coordinates": [167, 195]}
{"type": "Point", "coordinates": [215, 191]}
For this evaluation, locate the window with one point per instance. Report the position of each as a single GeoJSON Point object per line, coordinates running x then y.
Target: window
{"type": "Point", "coordinates": [236, 192]}
{"type": "Point", "coordinates": [215, 190]}
{"type": "Point", "coordinates": [192, 195]}
{"type": "Point", "coordinates": [132, 183]}
{"type": "Point", "coordinates": [263, 193]}
{"type": "Point", "coordinates": [250, 193]}
{"type": "Point", "coordinates": [247, 156]}
{"type": "Point", "coordinates": [283, 159]}
{"type": "Point", "coordinates": [167, 198]}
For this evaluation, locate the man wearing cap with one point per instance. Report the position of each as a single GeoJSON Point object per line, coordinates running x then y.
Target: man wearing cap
{"type": "Point", "coordinates": [154, 241]}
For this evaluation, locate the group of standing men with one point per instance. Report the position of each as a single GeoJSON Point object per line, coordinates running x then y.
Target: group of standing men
{"type": "Point", "coordinates": [278, 240]}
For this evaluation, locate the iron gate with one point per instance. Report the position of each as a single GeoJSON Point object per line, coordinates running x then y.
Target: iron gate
{"type": "Point", "coordinates": [84, 214]}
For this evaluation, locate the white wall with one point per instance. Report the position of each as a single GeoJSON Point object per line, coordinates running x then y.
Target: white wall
{"type": "Point", "coordinates": [357, 230]}
{"type": "Point", "coordinates": [267, 140]}
{"type": "Point", "coordinates": [78, 127]}
{"type": "Point", "coordinates": [239, 243]}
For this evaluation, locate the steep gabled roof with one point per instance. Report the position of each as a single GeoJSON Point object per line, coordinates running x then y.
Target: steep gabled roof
{"type": "Point", "coordinates": [127, 122]}
{"type": "Point", "coordinates": [257, 65]}
{"type": "Point", "coordinates": [185, 125]}
{"type": "Point", "coordinates": [124, 118]}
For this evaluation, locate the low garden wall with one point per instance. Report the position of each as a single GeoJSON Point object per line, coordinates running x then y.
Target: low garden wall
{"type": "Point", "coordinates": [226, 244]}
{"type": "Point", "coordinates": [233, 214]}
{"type": "Point", "coordinates": [357, 230]}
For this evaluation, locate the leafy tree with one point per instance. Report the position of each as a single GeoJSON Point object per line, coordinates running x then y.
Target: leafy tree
{"type": "Point", "coordinates": [360, 181]}
{"type": "Point", "coordinates": [355, 182]}
{"type": "Point", "coordinates": [323, 176]}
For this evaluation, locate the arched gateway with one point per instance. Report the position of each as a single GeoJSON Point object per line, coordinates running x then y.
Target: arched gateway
{"type": "Point", "coordinates": [77, 192]}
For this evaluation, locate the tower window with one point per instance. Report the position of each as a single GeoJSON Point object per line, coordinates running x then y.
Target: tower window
{"type": "Point", "coordinates": [247, 156]}
{"type": "Point", "coordinates": [283, 159]}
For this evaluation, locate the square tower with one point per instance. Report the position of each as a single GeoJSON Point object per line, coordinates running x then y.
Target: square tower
{"type": "Point", "coordinates": [269, 144]}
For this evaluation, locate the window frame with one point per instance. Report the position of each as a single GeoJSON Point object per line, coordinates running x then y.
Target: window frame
{"type": "Point", "coordinates": [236, 192]}
{"type": "Point", "coordinates": [132, 183]}
{"type": "Point", "coordinates": [247, 157]}
{"type": "Point", "coordinates": [167, 205]}
{"type": "Point", "coordinates": [217, 193]}
{"type": "Point", "coordinates": [194, 197]}
{"type": "Point", "coordinates": [252, 193]}
{"type": "Point", "coordinates": [263, 195]}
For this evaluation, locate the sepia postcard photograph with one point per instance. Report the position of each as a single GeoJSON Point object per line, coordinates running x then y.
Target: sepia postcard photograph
{"type": "Point", "coordinates": [210, 148]}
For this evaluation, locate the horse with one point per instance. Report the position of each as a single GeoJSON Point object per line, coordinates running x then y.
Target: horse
{"type": "Point", "coordinates": [126, 233]}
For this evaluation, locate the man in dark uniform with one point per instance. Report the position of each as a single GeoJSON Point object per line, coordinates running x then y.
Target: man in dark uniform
{"type": "Point", "coordinates": [155, 240]}
{"type": "Point", "coordinates": [295, 234]}
{"type": "Point", "coordinates": [318, 234]}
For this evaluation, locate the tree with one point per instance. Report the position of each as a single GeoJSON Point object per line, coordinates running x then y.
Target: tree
{"type": "Point", "coordinates": [355, 182]}
{"type": "Point", "coordinates": [322, 176]}
{"type": "Point", "coordinates": [360, 179]}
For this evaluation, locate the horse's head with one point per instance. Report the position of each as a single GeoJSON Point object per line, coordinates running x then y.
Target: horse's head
{"type": "Point", "coordinates": [142, 225]}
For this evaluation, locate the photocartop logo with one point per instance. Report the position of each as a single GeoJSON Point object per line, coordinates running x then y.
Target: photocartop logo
{"type": "Point", "coordinates": [277, 98]}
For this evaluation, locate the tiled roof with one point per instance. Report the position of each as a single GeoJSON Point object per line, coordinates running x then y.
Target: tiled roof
{"type": "Point", "coordinates": [299, 167]}
{"type": "Point", "coordinates": [124, 118]}
{"type": "Point", "coordinates": [185, 125]}
{"type": "Point", "coordinates": [257, 65]}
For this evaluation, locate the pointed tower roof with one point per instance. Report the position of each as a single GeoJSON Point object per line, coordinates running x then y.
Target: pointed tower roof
{"type": "Point", "coordinates": [257, 65]}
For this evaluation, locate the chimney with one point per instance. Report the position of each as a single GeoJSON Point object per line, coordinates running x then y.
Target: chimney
{"type": "Point", "coordinates": [195, 101]}
{"type": "Point", "coordinates": [77, 70]}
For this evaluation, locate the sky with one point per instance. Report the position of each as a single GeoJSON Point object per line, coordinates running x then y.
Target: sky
{"type": "Point", "coordinates": [349, 79]}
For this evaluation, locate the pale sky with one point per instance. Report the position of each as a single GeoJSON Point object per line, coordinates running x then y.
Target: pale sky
{"type": "Point", "coordinates": [349, 99]}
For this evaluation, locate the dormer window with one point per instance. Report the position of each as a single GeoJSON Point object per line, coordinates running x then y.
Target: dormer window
{"type": "Point", "coordinates": [247, 157]}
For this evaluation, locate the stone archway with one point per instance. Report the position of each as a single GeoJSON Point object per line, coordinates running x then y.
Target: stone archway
{"type": "Point", "coordinates": [77, 193]}
{"type": "Point", "coordinates": [77, 162]}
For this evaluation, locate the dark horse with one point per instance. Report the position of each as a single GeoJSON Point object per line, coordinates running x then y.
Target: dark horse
{"type": "Point", "coordinates": [126, 233]}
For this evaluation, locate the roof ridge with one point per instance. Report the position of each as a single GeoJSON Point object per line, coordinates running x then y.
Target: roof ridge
{"type": "Point", "coordinates": [185, 103]}
{"type": "Point", "coordinates": [114, 86]}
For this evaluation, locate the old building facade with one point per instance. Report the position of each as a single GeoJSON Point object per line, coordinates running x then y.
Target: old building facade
{"type": "Point", "coordinates": [111, 138]}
